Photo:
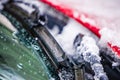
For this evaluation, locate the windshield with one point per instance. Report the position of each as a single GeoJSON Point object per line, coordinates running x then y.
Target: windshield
{"type": "Point", "coordinates": [18, 54]}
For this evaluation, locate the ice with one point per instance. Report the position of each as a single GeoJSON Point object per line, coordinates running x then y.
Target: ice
{"type": "Point", "coordinates": [89, 52]}
{"type": "Point", "coordinates": [99, 72]}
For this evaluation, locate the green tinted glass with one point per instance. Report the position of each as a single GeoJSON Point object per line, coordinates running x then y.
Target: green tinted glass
{"type": "Point", "coordinates": [19, 59]}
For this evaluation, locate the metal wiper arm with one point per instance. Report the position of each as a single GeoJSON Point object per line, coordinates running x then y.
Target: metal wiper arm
{"type": "Point", "coordinates": [37, 30]}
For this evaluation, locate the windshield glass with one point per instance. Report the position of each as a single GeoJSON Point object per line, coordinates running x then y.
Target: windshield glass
{"type": "Point", "coordinates": [18, 55]}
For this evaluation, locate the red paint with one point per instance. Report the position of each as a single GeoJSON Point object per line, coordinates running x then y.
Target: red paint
{"type": "Point", "coordinates": [116, 49]}
{"type": "Point", "coordinates": [94, 29]}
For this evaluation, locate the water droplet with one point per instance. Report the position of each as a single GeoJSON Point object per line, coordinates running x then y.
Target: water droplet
{"type": "Point", "coordinates": [35, 47]}
{"type": "Point", "coordinates": [24, 73]}
{"type": "Point", "coordinates": [20, 65]}
{"type": "Point", "coordinates": [23, 55]}
{"type": "Point", "coordinates": [39, 71]}
{"type": "Point", "coordinates": [20, 57]}
{"type": "Point", "coordinates": [29, 62]}
{"type": "Point", "coordinates": [1, 37]}
{"type": "Point", "coordinates": [23, 30]}
{"type": "Point", "coordinates": [13, 44]}
{"type": "Point", "coordinates": [15, 40]}
{"type": "Point", "coordinates": [35, 73]}
{"type": "Point", "coordinates": [43, 74]}
{"type": "Point", "coordinates": [30, 71]}
{"type": "Point", "coordinates": [5, 48]}
{"type": "Point", "coordinates": [1, 32]}
{"type": "Point", "coordinates": [47, 64]}
{"type": "Point", "coordinates": [52, 78]}
{"type": "Point", "coordinates": [5, 39]}
{"type": "Point", "coordinates": [36, 38]}
{"type": "Point", "coordinates": [14, 34]}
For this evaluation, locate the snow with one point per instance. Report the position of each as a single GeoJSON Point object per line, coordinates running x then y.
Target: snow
{"type": "Point", "coordinates": [89, 51]}
{"type": "Point", "coordinates": [109, 35]}
{"type": "Point", "coordinates": [96, 7]}
{"type": "Point", "coordinates": [90, 44]}
{"type": "Point", "coordinates": [104, 14]}
{"type": "Point", "coordinates": [70, 31]}
{"type": "Point", "coordinates": [88, 20]}
{"type": "Point", "coordinates": [36, 3]}
{"type": "Point", "coordinates": [27, 8]}
{"type": "Point", "coordinates": [1, 3]}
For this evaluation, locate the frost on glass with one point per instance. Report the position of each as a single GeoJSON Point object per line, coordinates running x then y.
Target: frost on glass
{"type": "Point", "coordinates": [19, 58]}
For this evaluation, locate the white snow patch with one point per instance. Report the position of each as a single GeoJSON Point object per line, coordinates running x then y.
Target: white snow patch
{"type": "Point", "coordinates": [109, 35]}
{"type": "Point", "coordinates": [87, 20]}
{"type": "Point", "coordinates": [70, 31]}
{"type": "Point", "coordinates": [96, 7]}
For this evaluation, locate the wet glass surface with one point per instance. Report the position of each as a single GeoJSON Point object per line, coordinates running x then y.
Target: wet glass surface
{"type": "Point", "coordinates": [18, 58]}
